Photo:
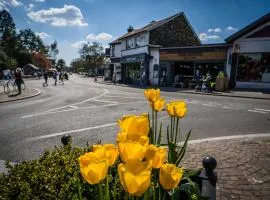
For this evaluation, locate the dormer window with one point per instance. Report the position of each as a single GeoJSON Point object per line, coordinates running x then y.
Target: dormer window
{"type": "Point", "coordinates": [140, 40]}
{"type": "Point", "coordinates": [130, 43]}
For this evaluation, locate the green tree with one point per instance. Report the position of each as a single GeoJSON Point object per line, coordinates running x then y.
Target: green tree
{"type": "Point", "coordinates": [31, 42]}
{"type": "Point", "coordinates": [53, 51]}
{"type": "Point", "coordinates": [7, 33]}
{"type": "Point", "coordinates": [93, 55]}
{"type": "Point", "coordinates": [61, 64]}
{"type": "Point", "coordinates": [77, 65]}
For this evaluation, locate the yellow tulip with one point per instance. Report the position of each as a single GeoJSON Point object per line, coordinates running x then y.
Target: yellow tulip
{"type": "Point", "coordinates": [158, 104]}
{"type": "Point", "coordinates": [170, 108]}
{"type": "Point", "coordinates": [170, 176]}
{"type": "Point", "coordinates": [93, 166]}
{"type": "Point", "coordinates": [155, 156]}
{"type": "Point", "coordinates": [111, 152]}
{"type": "Point", "coordinates": [135, 176]}
{"type": "Point", "coordinates": [133, 150]}
{"type": "Point", "coordinates": [152, 94]}
{"type": "Point", "coordinates": [134, 126]}
{"type": "Point", "coordinates": [180, 109]}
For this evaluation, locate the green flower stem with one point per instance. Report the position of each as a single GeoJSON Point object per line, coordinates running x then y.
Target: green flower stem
{"type": "Point", "coordinates": [176, 132]}
{"type": "Point", "coordinates": [100, 192]}
{"type": "Point", "coordinates": [107, 189]}
{"type": "Point", "coordinates": [171, 128]}
{"type": "Point", "coordinates": [155, 127]}
{"type": "Point", "coordinates": [79, 190]}
{"type": "Point", "coordinates": [155, 182]}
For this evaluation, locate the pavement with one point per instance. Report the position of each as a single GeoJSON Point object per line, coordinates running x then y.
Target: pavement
{"type": "Point", "coordinates": [233, 93]}
{"type": "Point", "coordinates": [12, 96]}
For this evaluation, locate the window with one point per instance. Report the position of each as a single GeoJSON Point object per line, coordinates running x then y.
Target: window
{"type": "Point", "coordinates": [130, 43]}
{"type": "Point", "coordinates": [140, 40]}
{"type": "Point", "coordinates": [113, 50]}
{"type": "Point", "coordinates": [253, 67]}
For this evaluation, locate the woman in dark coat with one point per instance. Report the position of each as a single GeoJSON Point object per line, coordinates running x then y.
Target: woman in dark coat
{"type": "Point", "coordinates": [18, 79]}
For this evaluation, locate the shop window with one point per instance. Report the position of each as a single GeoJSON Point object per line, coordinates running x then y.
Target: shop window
{"type": "Point", "coordinates": [253, 67]}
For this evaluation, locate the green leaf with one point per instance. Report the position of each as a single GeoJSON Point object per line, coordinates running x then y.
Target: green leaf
{"type": "Point", "coordinates": [183, 150]}
{"type": "Point", "coordinates": [159, 135]}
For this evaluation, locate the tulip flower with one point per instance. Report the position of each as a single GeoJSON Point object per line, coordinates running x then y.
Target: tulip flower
{"type": "Point", "coordinates": [93, 166]}
{"type": "Point", "coordinates": [170, 176]}
{"type": "Point", "coordinates": [180, 109]}
{"type": "Point", "coordinates": [170, 108]}
{"type": "Point", "coordinates": [133, 150]}
{"type": "Point", "coordinates": [152, 94]}
{"type": "Point", "coordinates": [158, 104]}
{"type": "Point", "coordinates": [155, 156]}
{"type": "Point", "coordinates": [111, 152]}
{"type": "Point", "coordinates": [134, 126]}
{"type": "Point", "coordinates": [135, 176]}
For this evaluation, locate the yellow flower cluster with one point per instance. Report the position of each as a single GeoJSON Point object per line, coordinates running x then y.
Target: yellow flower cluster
{"type": "Point", "coordinates": [138, 156]}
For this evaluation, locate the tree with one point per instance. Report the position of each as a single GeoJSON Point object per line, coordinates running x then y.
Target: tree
{"type": "Point", "coordinates": [53, 51]}
{"type": "Point", "coordinates": [31, 42]}
{"type": "Point", "coordinates": [7, 33]}
{"type": "Point", "coordinates": [93, 56]}
{"type": "Point", "coordinates": [61, 63]}
{"type": "Point", "coordinates": [77, 65]}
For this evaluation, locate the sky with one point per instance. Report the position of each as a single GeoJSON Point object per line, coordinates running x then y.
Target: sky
{"type": "Point", "coordinates": [74, 22]}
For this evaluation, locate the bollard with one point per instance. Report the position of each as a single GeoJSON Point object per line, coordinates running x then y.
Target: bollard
{"type": "Point", "coordinates": [209, 177]}
{"type": "Point", "coordinates": [66, 139]}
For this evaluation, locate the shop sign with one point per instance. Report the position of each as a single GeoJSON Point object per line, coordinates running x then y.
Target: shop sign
{"type": "Point", "coordinates": [134, 58]}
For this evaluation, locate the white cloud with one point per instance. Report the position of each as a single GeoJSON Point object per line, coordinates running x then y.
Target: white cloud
{"type": "Point", "coordinates": [30, 7]}
{"type": "Point", "coordinates": [43, 35]}
{"type": "Point", "coordinates": [39, 0]}
{"type": "Point", "coordinates": [102, 37]}
{"type": "Point", "coordinates": [4, 4]}
{"type": "Point", "coordinates": [205, 37]}
{"type": "Point", "coordinates": [78, 45]}
{"type": "Point", "coordinates": [215, 30]}
{"type": "Point", "coordinates": [230, 28]}
{"type": "Point", "coordinates": [69, 15]}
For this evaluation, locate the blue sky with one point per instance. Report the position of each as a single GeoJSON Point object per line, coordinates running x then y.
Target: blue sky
{"type": "Point", "coordinates": [73, 22]}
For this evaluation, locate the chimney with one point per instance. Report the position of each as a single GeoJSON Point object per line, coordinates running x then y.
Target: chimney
{"type": "Point", "coordinates": [152, 22]}
{"type": "Point", "coordinates": [130, 29]}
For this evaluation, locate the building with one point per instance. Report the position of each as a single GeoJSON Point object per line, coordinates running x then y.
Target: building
{"type": "Point", "coordinates": [248, 59]}
{"type": "Point", "coordinates": [138, 48]}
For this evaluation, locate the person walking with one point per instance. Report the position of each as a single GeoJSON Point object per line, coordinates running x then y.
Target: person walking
{"type": "Point", "coordinates": [45, 74]}
{"type": "Point", "coordinates": [55, 77]}
{"type": "Point", "coordinates": [18, 79]}
{"type": "Point", "coordinates": [114, 77]}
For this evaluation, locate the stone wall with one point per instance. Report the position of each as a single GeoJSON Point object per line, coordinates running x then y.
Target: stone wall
{"type": "Point", "coordinates": [175, 33]}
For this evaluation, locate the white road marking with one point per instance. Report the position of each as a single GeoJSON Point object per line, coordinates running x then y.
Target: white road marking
{"type": "Point", "coordinates": [73, 107]}
{"type": "Point", "coordinates": [262, 109]}
{"type": "Point", "coordinates": [50, 111]}
{"type": "Point", "coordinates": [228, 138]}
{"type": "Point", "coordinates": [97, 100]}
{"type": "Point", "coordinates": [75, 131]}
{"type": "Point", "coordinates": [82, 108]}
{"type": "Point", "coordinates": [210, 105]}
{"type": "Point", "coordinates": [72, 131]}
{"type": "Point", "coordinates": [125, 97]}
{"type": "Point", "coordinates": [228, 107]}
{"type": "Point", "coordinates": [257, 111]}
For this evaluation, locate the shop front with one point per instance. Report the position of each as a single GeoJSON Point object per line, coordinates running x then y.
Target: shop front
{"type": "Point", "coordinates": [189, 63]}
{"type": "Point", "coordinates": [135, 69]}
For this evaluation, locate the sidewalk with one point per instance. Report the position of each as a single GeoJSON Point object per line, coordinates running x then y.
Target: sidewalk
{"type": "Point", "coordinates": [27, 93]}
{"type": "Point", "coordinates": [233, 93]}
{"type": "Point", "coordinates": [242, 166]}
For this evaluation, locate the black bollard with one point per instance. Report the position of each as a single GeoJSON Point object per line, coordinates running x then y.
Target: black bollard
{"type": "Point", "coordinates": [66, 139]}
{"type": "Point", "coordinates": [209, 177]}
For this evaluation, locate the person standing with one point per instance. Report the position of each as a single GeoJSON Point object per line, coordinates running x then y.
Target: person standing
{"type": "Point", "coordinates": [18, 79]}
{"type": "Point", "coordinates": [55, 77]}
{"type": "Point", "coordinates": [114, 77]}
{"type": "Point", "coordinates": [45, 74]}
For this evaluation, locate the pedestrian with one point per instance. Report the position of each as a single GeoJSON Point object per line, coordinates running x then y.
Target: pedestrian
{"type": "Point", "coordinates": [55, 77]}
{"type": "Point", "coordinates": [61, 78]}
{"type": "Point", "coordinates": [114, 77]}
{"type": "Point", "coordinates": [18, 79]}
{"type": "Point", "coordinates": [45, 74]}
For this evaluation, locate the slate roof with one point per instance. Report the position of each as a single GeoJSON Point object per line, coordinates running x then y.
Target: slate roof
{"type": "Point", "coordinates": [264, 19]}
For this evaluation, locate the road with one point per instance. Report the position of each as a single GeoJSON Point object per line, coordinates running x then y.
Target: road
{"type": "Point", "coordinates": [89, 111]}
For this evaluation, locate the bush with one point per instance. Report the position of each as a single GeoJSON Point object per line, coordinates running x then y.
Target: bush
{"type": "Point", "coordinates": [55, 175]}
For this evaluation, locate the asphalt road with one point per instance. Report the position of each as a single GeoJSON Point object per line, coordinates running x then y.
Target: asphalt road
{"type": "Point", "coordinates": [89, 111]}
